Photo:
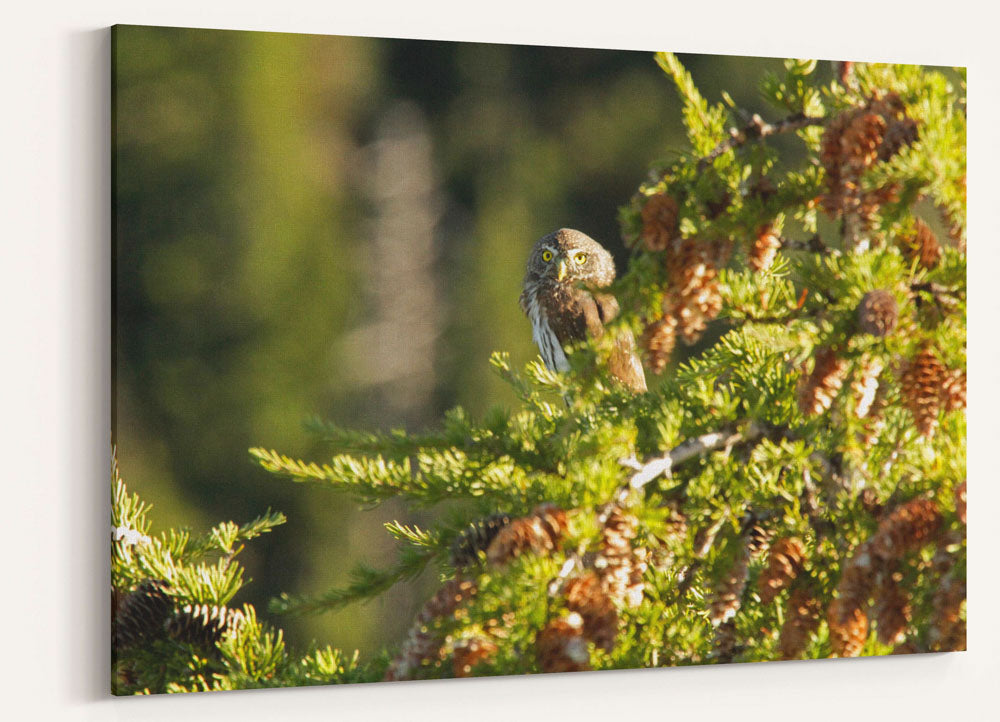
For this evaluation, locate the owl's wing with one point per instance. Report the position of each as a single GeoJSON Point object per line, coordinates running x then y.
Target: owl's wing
{"type": "Point", "coordinates": [607, 306]}
{"type": "Point", "coordinates": [576, 314]}
{"type": "Point", "coordinates": [584, 315]}
{"type": "Point", "coordinates": [624, 363]}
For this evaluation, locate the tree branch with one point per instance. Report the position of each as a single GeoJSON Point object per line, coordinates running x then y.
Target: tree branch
{"type": "Point", "coordinates": [645, 472]}
{"type": "Point", "coordinates": [755, 129]}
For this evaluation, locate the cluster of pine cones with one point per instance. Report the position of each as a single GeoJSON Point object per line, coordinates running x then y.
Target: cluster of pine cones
{"type": "Point", "coordinates": [612, 577]}
{"type": "Point", "coordinates": [692, 296]}
{"type": "Point", "coordinates": [870, 589]}
{"type": "Point", "coordinates": [927, 386]}
{"type": "Point", "coordinates": [501, 538]}
{"type": "Point", "coordinates": [853, 142]}
{"type": "Point", "coordinates": [875, 572]}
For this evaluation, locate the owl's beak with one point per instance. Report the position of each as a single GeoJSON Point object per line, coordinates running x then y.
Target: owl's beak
{"type": "Point", "coordinates": [561, 274]}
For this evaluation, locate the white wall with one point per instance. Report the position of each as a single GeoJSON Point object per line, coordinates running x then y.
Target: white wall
{"type": "Point", "coordinates": [54, 287]}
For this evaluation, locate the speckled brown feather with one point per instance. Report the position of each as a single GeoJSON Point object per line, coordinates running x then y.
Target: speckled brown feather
{"type": "Point", "coordinates": [625, 366]}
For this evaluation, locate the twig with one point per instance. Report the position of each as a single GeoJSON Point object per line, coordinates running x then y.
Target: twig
{"type": "Point", "coordinates": [755, 129]}
{"type": "Point", "coordinates": [650, 470]}
{"type": "Point", "coordinates": [705, 538]}
{"type": "Point", "coordinates": [663, 465]}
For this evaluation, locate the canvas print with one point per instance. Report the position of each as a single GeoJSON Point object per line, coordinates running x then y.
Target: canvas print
{"type": "Point", "coordinates": [442, 359]}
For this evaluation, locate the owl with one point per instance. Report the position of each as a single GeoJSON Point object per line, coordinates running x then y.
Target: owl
{"type": "Point", "coordinates": [562, 268]}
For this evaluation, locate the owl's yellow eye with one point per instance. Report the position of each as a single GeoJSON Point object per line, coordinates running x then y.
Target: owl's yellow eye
{"type": "Point", "coordinates": [546, 256]}
{"type": "Point", "coordinates": [580, 258]}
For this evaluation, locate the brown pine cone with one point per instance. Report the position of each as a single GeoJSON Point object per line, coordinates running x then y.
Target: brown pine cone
{"type": "Point", "coordinates": [659, 221]}
{"type": "Point", "coordinates": [898, 135]}
{"type": "Point", "coordinates": [892, 610]}
{"type": "Point", "coordinates": [802, 618]}
{"type": "Point", "coordinates": [758, 540]}
{"type": "Point", "coordinates": [585, 596]}
{"type": "Point", "coordinates": [852, 142]}
{"type": "Point", "coordinates": [859, 144]}
{"type": "Point", "coordinates": [658, 339]}
{"type": "Point", "coordinates": [878, 313]}
{"type": "Point", "coordinates": [859, 574]}
{"type": "Point", "coordinates": [725, 642]}
{"type": "Point", "coordinates": [948, 631]}
{"type": "Point", "coordinates": [929, 248]}
{"type": "Point", "coordinates": [923, 245]}
{"type": "Point", "coordinates": [765, 249]}
{"type": "Point", "coordinates": [141, 615]}
{"type": "Point", "coordinates": [203, 624]}
{"type": "Point", "coordinates": [818, 389]}
{"type": "Point", "coordinates": [849, 145]}
{"type": "Point", "coordinates": [901, 130]}
{"type": "Point", "coordinates": [848, 627]}
{"type": "Point", "coordinates": [620, 564]}
{"type": "Point", "coordinates": [470, 652]}
{"type": "Point", "coordinates": [907, 528]}
{"type": "Point", "coordinates": [423, 641]}
{"type": "Point", "coordinates": [729, 594]}
{"type": "Point", "coordinates": [561, 647]}
{"type": "Point", "coordinates": [540, 532]}
{"type": "Point", "coordinates": [960, 496]}
{"type": "Point", "coordinates": [784, 563]}
{"type": "Point", "coordinates": [694, 297]}
{"type": "Point", "coordinates": [847, 616]}
{"type": "Point", "coordinates": [830, 157]}
{"type": "Point", "coordinates": [921, 382]}
{"type": "Point", "coordinates": [448, 598]}
{"type": "Point", "coordinates": [475, 538]}
{"type": "Point", "coordinates": [636, 587]}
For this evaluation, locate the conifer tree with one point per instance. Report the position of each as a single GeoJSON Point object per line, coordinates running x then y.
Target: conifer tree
{"type": "Point", "coordinates": [172, 629]}
{"type": "Point", "coordinates": [791, 486]}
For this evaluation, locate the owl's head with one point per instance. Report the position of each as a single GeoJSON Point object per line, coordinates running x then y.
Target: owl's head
{"type": "Point", "coordinates": [570, 257]}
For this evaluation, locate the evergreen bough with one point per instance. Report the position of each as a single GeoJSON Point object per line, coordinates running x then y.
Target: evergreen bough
{"type": "Point", "coordinates": [171, 628]}
{"type": "Point", "coordinates": [793, 486]}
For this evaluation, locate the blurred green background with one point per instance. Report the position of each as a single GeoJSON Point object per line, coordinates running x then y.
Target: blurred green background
{"type": "Point", "coordinates": [337, 227]}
